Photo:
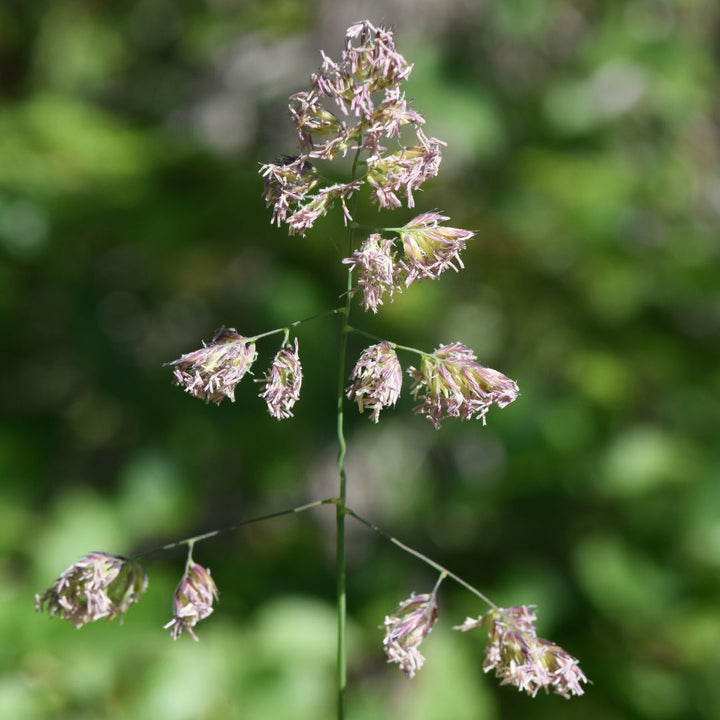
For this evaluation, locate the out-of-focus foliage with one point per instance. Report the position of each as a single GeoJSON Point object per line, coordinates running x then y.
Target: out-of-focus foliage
{"type": "Point", "coordinates": [583, 147]}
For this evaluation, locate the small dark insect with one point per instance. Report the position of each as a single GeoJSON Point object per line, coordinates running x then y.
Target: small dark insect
{"type": "Point", "coordinates": [285, 160]}
{"type": "Point", "coordinates": [282, 159]}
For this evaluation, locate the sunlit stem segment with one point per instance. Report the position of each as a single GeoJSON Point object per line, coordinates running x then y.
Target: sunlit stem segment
{"type": "Point", "coordinates": [342, 494]}
{"type": "Point", "coordinates": [340, 516]}
{"type": "Point", "coordinates": [286, 330]}
{"type": "Point", "coordinates": [395, 345]}
{"type": "Point", "coordinates": [190, 541]}
{"type": "Point", "coordinates": [444, 572]}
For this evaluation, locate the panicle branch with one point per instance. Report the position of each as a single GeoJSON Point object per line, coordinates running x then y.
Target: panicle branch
{"type": "Point", "coordinates": [520, 658]}
{"type": "Point", "coordinates": [377, 270]}
{"type": "Point", "coordinates": [378, 379]}
{"type": "Point", "coordinates": [97, 586]}
{"type": "Point", "coordinates": [212, 372]}
{"type": "Point", "coordinates": [364, 87]}
{"type": "Point", "coordinates": [193, 599]}
{"type": "Point", "coordinates": [451, 383]}
{"type": "Point", "coordinates": [283, 382]}
{"type": "Point", "coordinates": [406, 628]}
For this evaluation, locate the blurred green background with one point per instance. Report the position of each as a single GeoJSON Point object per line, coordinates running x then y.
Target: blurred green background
{"type": "Point", "coordinates": [583, 147]}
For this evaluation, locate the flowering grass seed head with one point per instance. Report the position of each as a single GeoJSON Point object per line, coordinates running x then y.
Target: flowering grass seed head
{"type": "Point", "coordinates": [378, 274]}
{"type": "Point", "coordinates": [406, 628]}
{"type": "Point", "coordinates": [430, 247]}
{"type": "Point", "coordinates": [354, 104]}
{"type": "Point", "coordinates": [283, 382]}
{"type": "Point", "coordinates": [402, 172]}
{"type": "Point", "coordinates": [450, 383]}
{"type": "Point", "coordinates": [520, 658]}
{"type": "Point", "coordinates": [378, 379]}
{"type": "Point", "coordinates": [97, 586]}
{"type": "Point", "coordinates": [212, 372]}
{"type": "Point", "coordinates": [192, 601]}
{"type": "Point", "coordinates": [287, 184]}
{"type": "Point", "coordinates": [369, 64]}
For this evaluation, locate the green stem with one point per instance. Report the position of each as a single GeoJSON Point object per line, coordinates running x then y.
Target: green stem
{"type": "Point", "coordinates": [189, 560]}
{"type": "Point", "coordinates": [340, 525]}
{"type": "Point", "coordinates": [443, 575]}
{"type": "Point", "coordinates": [286, 329]}
{"type": "Point", "coordinates": [340, 509]}
{"type": "Point", "coordinates": [190, 541]}
{"type": "Point", "coordinates": [444, 572]}
{"type": "Point", "coordinates": [395, 345]}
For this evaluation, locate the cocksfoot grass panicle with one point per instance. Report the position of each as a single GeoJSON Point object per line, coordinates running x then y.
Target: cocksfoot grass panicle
{"type": "Point", "coordinates": [193, 599]}
{"type": "Point", "coordinates": [431, 247]}
{"type": "Point", "coordinates": [400, 174]}
{"type": "Point", "coordinates": [212, 372]}
{"type": "Point", "coordinates": [283, 382]}
{"type": "Point", "coordinates": [97, 586]}
{"type": "Point", "coordinates": [520, 658]}
{"type": "Point", "coordinates": [451, 383]}
{"type": "Point", "coordinates": [378, 274]}
{"type": "Point", "coordinates": [378, 379]}
{"type": "Point", "coordinates": [365, 88]}
{"type": "Point", "coordinates": [406, 628]}
{"type": "Point", "coordinates": [355, 106]}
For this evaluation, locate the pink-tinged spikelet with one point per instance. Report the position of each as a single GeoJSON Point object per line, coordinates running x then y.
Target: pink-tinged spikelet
{"type": "Point", "coordinates": [378, 379]}
{"type": "Point", "coordinates": [212, 372]}
{"type": "Point", "coordinates": [451, 383]}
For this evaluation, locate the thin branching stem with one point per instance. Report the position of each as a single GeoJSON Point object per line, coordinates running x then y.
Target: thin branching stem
{"type": "Point", "coordinates": [286, 329]}
{"type": "Point", "coordinates": [444, 572]}
{"type": "Point", "coordinates": [395, 345]}
{"type": "Point", "coordinates": [190, 541]}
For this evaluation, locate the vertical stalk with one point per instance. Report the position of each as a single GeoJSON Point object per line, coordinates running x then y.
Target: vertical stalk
{"type": "Point", "coordinates": [340, 526]}
{"type": "Point", "coordinates": [340, 509]}
{"type": "Point", "coordinates": [341, 506]}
